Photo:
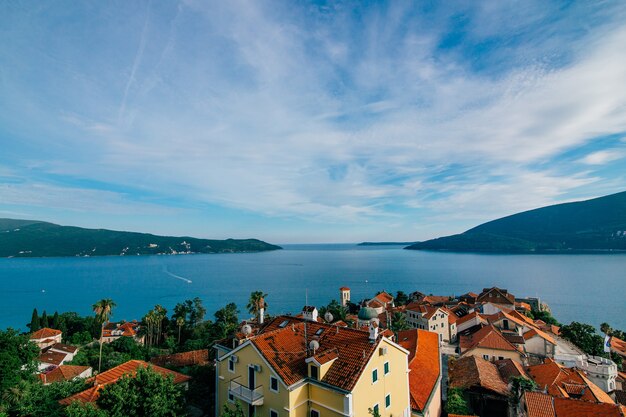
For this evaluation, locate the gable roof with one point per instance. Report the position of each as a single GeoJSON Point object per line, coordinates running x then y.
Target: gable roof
{"type": "Point", "coordinates": [487, 337]}
{"type": "Point", "coordinates": [424, 363]}
{"type": "Point", "coordinates": [128, 329]}
{"type": "Point", "coordinates": [508, 368]}
{"type": "Point", "coordinates": [538, 404]}
{"type": "Point", "coordinates": [44, 333]}
{"type": "Point", "coordinates": [502, 293]}
{"type": "Point", "coordinates": [543, 405]}
{"type": "Point", "coordinates": [564, 382]}
{"type": "Point", "coordinates": [471, 316]}
{"type": "Point", "coordinates": [618, 345]}
{"type": "Point", "coordinates": [63, 348]}
{"type": "Point", "coordinates": [472, 372]}
{"type": "Point", "coordinates": [284, 350]}
{"type": "Point", "coordinates": [114, 374]}
{"type": "Point", "coordinates": [62, 373]}
{"type": "Point", "coordinates": [52, 357]}
{"type": "Point", "coordinates": [426, 310]}
{"type": "Point", "coordinates": [384, 297]}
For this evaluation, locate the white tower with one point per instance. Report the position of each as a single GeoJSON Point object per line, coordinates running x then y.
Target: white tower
{"type": "Point", "coordinates": [344, 295]}
{"type": "Point", "coordinates": [261, 310]}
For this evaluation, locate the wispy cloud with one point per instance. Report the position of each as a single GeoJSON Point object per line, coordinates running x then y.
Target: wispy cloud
{"type": "Point", "coordinates": [391, 114]}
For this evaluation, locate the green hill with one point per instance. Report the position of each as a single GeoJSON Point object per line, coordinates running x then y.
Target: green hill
{"type": "Point", "coordinates": [593, 225]}
{"type": "Point", "coordinates": [31, 238]}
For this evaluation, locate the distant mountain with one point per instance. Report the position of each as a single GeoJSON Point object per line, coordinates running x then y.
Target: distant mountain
{"type": "Point", "coordinates": [593, 225]}
{"type": "Point", "coordinates": [32, 238]}
{"type": "Point", "coordinates": [385, 243]}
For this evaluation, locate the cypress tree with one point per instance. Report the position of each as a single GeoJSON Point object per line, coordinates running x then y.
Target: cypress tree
{"type": "Point", "coordinates": [44, 319]}
{"type": "Point", "coordinates": [55, 320]}
{"type": "Point", "coordinates": [34, 321]}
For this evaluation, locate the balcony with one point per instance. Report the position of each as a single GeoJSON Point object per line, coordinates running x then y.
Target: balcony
{"type": "Point", "coordinates": [245, 394]}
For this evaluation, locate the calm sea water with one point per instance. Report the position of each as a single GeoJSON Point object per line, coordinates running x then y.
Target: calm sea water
{"type": "Point", "coordinates": [587, 288]}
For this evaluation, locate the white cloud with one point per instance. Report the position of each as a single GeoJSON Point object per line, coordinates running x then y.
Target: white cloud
{"type": "Point", "coordinates": [602, 157]}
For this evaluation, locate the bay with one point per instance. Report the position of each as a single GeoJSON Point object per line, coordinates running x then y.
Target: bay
{"type": "Point", "coordinates": [589, 288]}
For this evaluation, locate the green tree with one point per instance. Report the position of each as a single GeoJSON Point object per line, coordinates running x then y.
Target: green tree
{"type": "Point", "coordinates": [606, 328]}
{"type": "Point", "coordinates": [519, 385]}
{"type": "Point", "coordinates": [401, 298]}
{"type": "Point", "coordinates": [103, 310]}
{"type": "Point", "coordinates": [147, 394]}
{"type": "Point", "coordinates": [585, 337]}
{"type": "Point", "coordinates": [56, 321]}
{"type": "Point", "coordinates": [456, 403]}
{"type": "Point", "coordinates": [236, 412]}
{"type": "Point", "coordinates": [544, 316]}
{"type": "Point", "coordinates": [44, 320]}
{"type": "Point", "coordinates": [31, 398]}
{"type": "Point", "coordinates": [17, 359]}
{"type": "Point", "coordinates": [80, 409]}
{"type": "Point", "coordinates": [373, 412]}
{"type": "Point", "coordinates": [255, 302]}
{"type": "Point", "coordinates": [34, 322]}
{"type": "Point", "coordinates": [180, 322]}
{"type": "Point", "coordinates": [398, 322]}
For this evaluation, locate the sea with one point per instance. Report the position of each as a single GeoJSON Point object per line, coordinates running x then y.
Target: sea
{"type": "Point", "coordinates": [589, 288]}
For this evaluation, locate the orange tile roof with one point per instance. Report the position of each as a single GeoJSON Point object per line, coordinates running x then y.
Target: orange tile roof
{"type": "Point", "coordinates": [483, 296]}
{"type": "Point", "coordinates": [473, 372]}
{"type": "Point", "coordinates": [327, 356]}
{"type": "Point", "coordinates": [384, 297]}
{"type": "Point", "coordinates": [561, 382]}
{"type": "Point", "coordinates": [452, 318]}
{"type": "Point", "coordinates": [64, 348]}
{"type": "Point", "coordinates": [113, 375]}
{"type": "Point", "coordinates": [344, 289]}
{"type": "Point", "coordinates": [191, 358]}
{"type": "Point", "coordinates": [538, 404]}
{"type": "Point", "coordinates": [62, 373]}
{"type": "Point", "coordinates": [424, 357]}
{"type": "Point", "coordinates": [566, 407]}
{"type": "Point", "coordinates": [536, 332]}
{"type": "Point", "coordinates": [509, 368]}
{"type": "Point", "coordinates": [53, 358]}
{"type": "Point", "coordinates": [426, 310]}
{"type": "Point", "coordinates": [489, 338]}
{"type": "Point", "coordinates": [46, 332]}
{"type": "Point", "coordinates": [284, 350]}
{"type": "Point", "coordinates": [128, 329]}
{"type": "Point", "coordinates": [618, 345]}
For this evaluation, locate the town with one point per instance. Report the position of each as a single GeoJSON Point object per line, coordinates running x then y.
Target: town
{"type": "Point", "coordinates": [477, 354]}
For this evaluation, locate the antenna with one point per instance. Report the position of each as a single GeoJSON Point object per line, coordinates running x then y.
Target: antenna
{"type": "Point", "coordinates": [306, 304]}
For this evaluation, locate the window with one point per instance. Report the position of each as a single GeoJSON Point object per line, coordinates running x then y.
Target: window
{"type": "Point", "coordinates": [501, 358]}
{"type": "Point", "coordinates": [319, 331]}
{"type": "Point", "coordinates": [315, 413]}
{"type": "Point", "coordinates": [387, 400]}
{"type": "Point", "coordinates": [231, 398]}
{"type": "Point", "coordinates": [283, 324]}
{"type": "Point", "coordinates": [273, 384]}
{"type": "Point", "coordinates": [376, 409]}
{"type": "Point", "coordinates": [314, 372]}
{"type": "Point", "coordinates": [386, 366]}
{"type": "Point", "coordinates": [374, 375]}
{"type": "Point", "coordinates": [231, 366]}
{"type": "Point", "coordinates": [273, 413]}
{"type": "Point", "coordinates": [486, 357]}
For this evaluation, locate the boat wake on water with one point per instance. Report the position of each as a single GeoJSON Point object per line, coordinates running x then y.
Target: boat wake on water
{"type": "Point", "coordinates": [188, 281]}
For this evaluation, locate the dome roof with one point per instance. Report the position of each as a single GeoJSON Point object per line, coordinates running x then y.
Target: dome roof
{"type": "Point", "coordinates": [367, 313]}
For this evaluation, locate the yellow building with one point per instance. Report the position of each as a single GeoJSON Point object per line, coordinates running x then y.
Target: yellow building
{"type": "Point", "coordinates": [299, 368]}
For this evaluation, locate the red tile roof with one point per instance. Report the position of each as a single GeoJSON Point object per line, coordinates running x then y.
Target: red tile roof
{"type": "Point", "coordinates": [538, 404]}
{"type": "Point", "coordinates": [471, 372]}
{"type": "Point", "coordinates": [566, 407]}
{"type": "Point", "coordinates": [562, 382]}
{"type": "Point", "coordinates": [344, 289]}
{"type": "Point", "coordinates": [618, 345]}
{"type": "Point", "coordinates": [113, 375]}
{"type": "Point", "coordinates": [488, 337]}
{"type": "Point", "coordinates": [384, 297]}
{"type": "Point", "coordinates": [426, 310]}
{"type": "Point", "coordinates": [53, 358]}
{"type": "Point", "coordinates": [128, 329]}
{"type": "Point", "coordinates": [62, 373]}
{"type": "Point", "coordinates": [509, 368]}
{"type": "Point", "coordinates": [424, 357]}
{"type": "Point", "coordinates": [64, 348]}
{"type": "Point", "coordinates": [470, 316]}
{"type": "Point", "coordinates": [284, 350]}
{"type": "Point", "coordinates": [498, 293]}
{"type": "Point", "coordinates": [191, 358]}
{"type": "Point", "coordinates": [46, 332]}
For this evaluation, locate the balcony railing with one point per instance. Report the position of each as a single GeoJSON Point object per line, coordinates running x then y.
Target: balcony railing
{"type": "Point", "coordinates": [250, 396]}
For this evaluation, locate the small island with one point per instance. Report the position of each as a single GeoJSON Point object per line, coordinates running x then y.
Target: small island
{"type": "Point", "coordinates": [32, 238]}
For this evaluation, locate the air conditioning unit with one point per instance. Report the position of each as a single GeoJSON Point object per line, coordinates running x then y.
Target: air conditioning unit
{"type": "Point", "coordinates": [382, 351]}
{"type": "Point", "coordinates": [234, 358]}
{"type": "Point", "coordinates": [257, 368]}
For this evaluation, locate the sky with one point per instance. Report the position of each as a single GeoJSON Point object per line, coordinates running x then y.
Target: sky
{"type": "Point", "coordinates": [301, 122]}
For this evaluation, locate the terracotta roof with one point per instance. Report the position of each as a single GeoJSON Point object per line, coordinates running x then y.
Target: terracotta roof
{"type": "Point", "coordinates": [561, 382]}
{"type": "Point", "coordinates": [113, 375]}
{"type": "Point", "coordinates": [53, 358]}
{"type": "Point", "coordinates": [621, 375]}
{"type": "Point", "coordinates": [513, 338]}
{"type": "Point", "coordinates": [384, 297]}
{"type": "Point", "coordinates": [427, 311]}
{"type": "Point", "coordinates": [452, 318]}
{"type": "Point", "coordinates": [374, 303]}
{"type": "Point", "coordinates": [538, 404]}
{"type": "Point", "coordinates": [435, 299]}
{"type": "Point", "coordinates": [128, 329]}
{"type": "Point", "coordinates": [484, 295]}
{"type": "Point", "coordinates": [620, 397]}
{"type": "Point", "coordinates": [509, 368]}
{"type": "Point", "coordinates": [566, 407]}
{"type": "Point", "coordinates": [618, 345]}
{"type": "Point", "coordinates": [62, 373]}
{"type": "Point", "coordinates": [523, 305]}
{"type": "Point", "coordinates": [327, 356]}
{"type": "Point", "coordinates": [344, 289]}
{"type": "Point", "coordinates": [472, 372]}
{"type": "Point", "coordinates": [488, 337]}
{"type": "Point", "coordinates": [471, 316]}
{"type": "Point", "coordinates": [191, 358]}
{"type": "Point", "coordinates": [284, 350]}
{"type": "Point", "coordinates": [424, 357]}
{"type": "Point", "coordinates": [536, 332]}
{"type": "Point", "coordinates": [46, 332]}
{"type": "Point", "coordinates": [64, 348]}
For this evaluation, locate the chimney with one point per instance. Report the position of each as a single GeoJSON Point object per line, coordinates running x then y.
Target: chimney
{"type": "Point", "coordinates": [261, 310]}
{"type": "Point", "coordinates": [373, 331]}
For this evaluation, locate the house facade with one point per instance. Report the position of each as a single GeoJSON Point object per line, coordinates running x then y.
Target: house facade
{"type": "Point", "coordinates": [300, 368]}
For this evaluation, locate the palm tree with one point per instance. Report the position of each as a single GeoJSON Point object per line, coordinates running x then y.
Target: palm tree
{"type": "Point", "coordinates": [256, 301]}
{"type": "Point", "coordinates": [103, 310]}
{"type": "Point", "coordinates": [180, 322]}
{"type": "Point", "coordinates": [606, 328]}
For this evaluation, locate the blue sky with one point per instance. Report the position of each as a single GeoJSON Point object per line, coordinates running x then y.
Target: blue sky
{"type": "Point", "coordinates": [308, 122]}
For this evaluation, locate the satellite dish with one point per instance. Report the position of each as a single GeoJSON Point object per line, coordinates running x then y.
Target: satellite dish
{"type": "Point", "coordinates": [314, 345]}
{"type": "Point", "coordinates": [246, 329]}
{"type": "Point", "coordinates": [328, 317]}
